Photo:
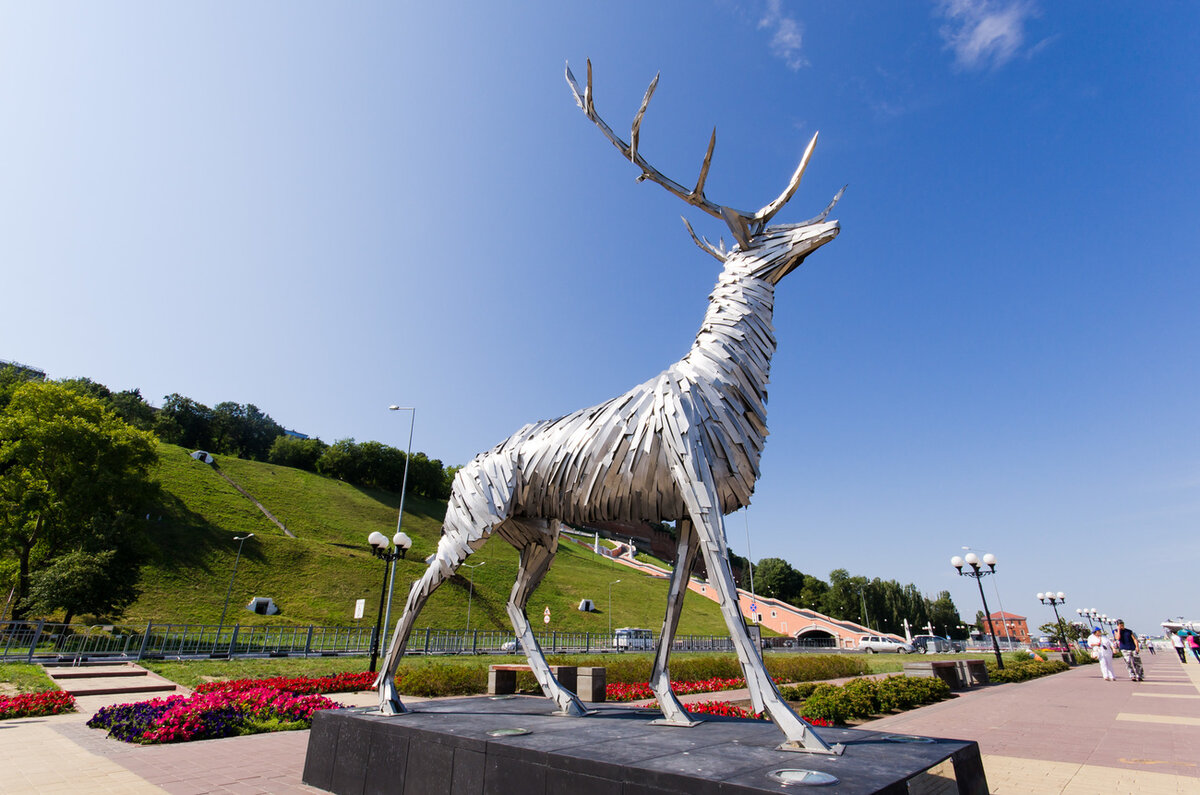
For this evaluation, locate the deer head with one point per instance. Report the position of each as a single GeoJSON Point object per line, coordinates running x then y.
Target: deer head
{"type": "Point", "coordinates": [781, 249]}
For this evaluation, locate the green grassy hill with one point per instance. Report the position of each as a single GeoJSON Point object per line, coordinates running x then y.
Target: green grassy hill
{"type": "Point", "coordinates": [316, 577]}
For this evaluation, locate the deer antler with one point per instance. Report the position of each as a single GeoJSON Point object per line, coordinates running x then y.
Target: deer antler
{"type": "Point", "coordinates": [743, 225]}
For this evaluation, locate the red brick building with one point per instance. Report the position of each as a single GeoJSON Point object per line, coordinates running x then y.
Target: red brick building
{"type": "Point", "coordinates": [1010, 625]}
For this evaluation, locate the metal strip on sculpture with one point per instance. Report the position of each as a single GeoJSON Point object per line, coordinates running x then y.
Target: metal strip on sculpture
{"type": "Point", "coordinates": [683, 446]}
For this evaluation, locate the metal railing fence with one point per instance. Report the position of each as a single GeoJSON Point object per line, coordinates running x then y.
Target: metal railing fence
{"type": "Point", "coordinates": [43, 641]}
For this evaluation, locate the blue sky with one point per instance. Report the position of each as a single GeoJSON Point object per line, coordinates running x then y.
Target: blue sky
{"type": "Point", "coordinates": [324, 209]}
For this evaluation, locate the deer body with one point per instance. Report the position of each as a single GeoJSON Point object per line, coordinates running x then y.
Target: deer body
{"type": "Point", "coordinates": [684, 445]}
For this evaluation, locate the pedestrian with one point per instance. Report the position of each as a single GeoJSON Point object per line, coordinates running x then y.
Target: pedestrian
{"type": "Point", "coordinates": [1150, 646]}
{"type": "Point", "coordinates": [1194, 646]}
{"type": "Point", "coordinates": [1102, 649]}
{"type": "Point", "coordinates": [1177, 643]}
{"type": "Point", "coordinates": [1131, 651]}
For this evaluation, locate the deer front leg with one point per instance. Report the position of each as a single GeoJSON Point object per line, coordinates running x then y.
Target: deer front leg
{"type": "Point", "coordinates": [701, 499]}
{"type": "Point", "coordinates": [660, 680]}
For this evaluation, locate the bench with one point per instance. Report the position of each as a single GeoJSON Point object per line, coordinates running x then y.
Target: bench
{"type": "Point", "coordinates": [587, 682]}
{"type": "Point", "coordinates": [958, 674]}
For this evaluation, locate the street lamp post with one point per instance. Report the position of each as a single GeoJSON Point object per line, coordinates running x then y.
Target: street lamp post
{"type": "Point", "coordinates": [241, 540]}
{"type": "Point", "coordinates": [1054, 600]}
{"type": "Point", "coordinates": [387, 616]}
{"type": "Point", "coordinates": [471, 592]}
{"type": "Point", "coordinates": [978, 574]}
{"type": "Point", "coordinates": [610, 585]}
{"type": "Point", "coordinates": [379, 548]}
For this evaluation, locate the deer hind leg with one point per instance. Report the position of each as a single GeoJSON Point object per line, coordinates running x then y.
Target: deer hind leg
{"type": "Point", "coordinates": [701, 500]}
{"type": "Point", "coordinates": [479, 501]}
{"type": "Point", "coordinates": [537, 542]}
{"type": "Point", "coordinates": [660, 680]}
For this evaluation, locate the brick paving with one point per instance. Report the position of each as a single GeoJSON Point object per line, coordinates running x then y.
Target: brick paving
{"type": "Point", "coordinates": [1085, 734]}
{"type": "Point", "coordinates": [1069, 733]}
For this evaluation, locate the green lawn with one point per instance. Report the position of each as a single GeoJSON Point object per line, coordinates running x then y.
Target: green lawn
{"type": "Point", "coordinates": [24, 678]}
{"type": "Point", "coordinates": [316, 577]}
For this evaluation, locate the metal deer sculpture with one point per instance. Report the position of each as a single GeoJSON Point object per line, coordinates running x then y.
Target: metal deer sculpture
{"type": "Point", "coordinates": [683, 446]}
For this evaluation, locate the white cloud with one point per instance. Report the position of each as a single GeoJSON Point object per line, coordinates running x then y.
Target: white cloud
{"type": "Point", "coordinates": [787, 35]}
{"type": "Point", "coordinates": [985, 33]}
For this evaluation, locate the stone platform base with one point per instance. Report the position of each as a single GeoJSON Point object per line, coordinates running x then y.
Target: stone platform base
{"type": "Point", "coordinates": [469, 745]}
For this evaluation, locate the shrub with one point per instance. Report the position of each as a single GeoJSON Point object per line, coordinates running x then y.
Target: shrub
{"type": "Point", "coordinates": [898, 693]}
{"type": "Point", "coordinates": [825, 702]}
{"type": "Point", "coordinates": [860, 697]}
{"type": "Point", "coordinates": [797, 692]}
{"type": "Point", "coordinates": [1024, 670]}
{"type": "Point", "coordinates": [433, 679]}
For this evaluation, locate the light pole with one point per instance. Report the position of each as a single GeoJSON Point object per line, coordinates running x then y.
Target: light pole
{"type": "Point", "coordinates": [1054, 600]}
{"type": "Point", "coordinates": [610, 585]}
{"type": "Point", "coordinates": [863, 597]}
{"type": "Point", "coordinates": [1007, 626]}
{"type": "Point", "coordinates": [978, 574]}
{"type": "Point", "coordinates": [241, 540]}
{"type": "Point", "coordinates": [471, 593]}
{"type": "Point", "coordinates": [379, 548]}
{"type": "Point", "coordinates": [387, 616]}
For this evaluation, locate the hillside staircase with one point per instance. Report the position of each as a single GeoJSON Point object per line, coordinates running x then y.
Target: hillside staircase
{"type": "Point", "coordinates": [106, 678]}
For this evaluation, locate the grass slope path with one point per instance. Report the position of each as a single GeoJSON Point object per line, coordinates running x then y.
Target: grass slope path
{"type": "Point", "coordinates": [257, 504]}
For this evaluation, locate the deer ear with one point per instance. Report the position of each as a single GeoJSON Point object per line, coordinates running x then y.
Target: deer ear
{"type": "Point", "coordinates": [737, 225]}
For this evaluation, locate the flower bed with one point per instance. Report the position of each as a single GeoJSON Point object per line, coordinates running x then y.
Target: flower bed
{"type": "Point", "coordinates": [32, 705]}
{"type": "Point", "coordinates": [297, 685]}
{"type": "Point", "coordinates": [731, 710]}
{"type": "Point", "coordinates": [204, 716]}
{"type": "Point", "coordinates": [627, 691]}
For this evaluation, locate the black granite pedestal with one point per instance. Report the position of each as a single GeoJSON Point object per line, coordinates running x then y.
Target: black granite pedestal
{"type": "Point", "coordinates": [460, 746]}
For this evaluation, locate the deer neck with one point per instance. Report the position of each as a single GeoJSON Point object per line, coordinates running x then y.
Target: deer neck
{"type": "Point", "coordinates": [733, 350]}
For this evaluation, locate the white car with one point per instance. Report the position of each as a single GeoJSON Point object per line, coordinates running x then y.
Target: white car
{"type": "Point", "coordinates": [873, 644]}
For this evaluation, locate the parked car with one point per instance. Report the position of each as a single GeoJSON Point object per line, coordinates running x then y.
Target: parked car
{"type": "Point", "coordinates": [935, 644]}
{"type": "Point", "coordinates": [873, 644]}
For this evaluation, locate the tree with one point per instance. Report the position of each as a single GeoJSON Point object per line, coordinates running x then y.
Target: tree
{"type": "Point", "coordinates": [944, 615]}
{"type": "Point", "coordinates": [133, 408]}
{"type": "Point", "coordinates": [184, 422]}
{"type": "Point", "coordinates": [776, 579]}
{"type": "Point", "coordinates": [85, 582]}
{"type": "Point", "coordinates": [303, 454]}
{"type": "Point", "coordinates": [243, 431]}
{"type": "Point", "coordinates": [845, 597]}
{"type": "Point", "coordinates": [342, 460]}
{"type": "Point", "coordinates": [71, 473]}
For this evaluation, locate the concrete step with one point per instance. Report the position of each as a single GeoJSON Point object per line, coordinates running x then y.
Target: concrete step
{"type": "Point", "coordinates": [121, 679]}
{"type": "Point", "coordinates": [105, 687]}
{"type": "Point", "coordinates": [93, 673]}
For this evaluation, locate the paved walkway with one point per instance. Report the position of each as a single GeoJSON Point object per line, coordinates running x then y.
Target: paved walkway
{"type": "Point", "coordinates": [1076, 733]}
{"type": "Point", "coordinates": [1068, 733]}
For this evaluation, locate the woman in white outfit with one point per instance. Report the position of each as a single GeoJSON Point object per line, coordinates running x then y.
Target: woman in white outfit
{"type": "Point", "coordinates": [1102, 649]}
